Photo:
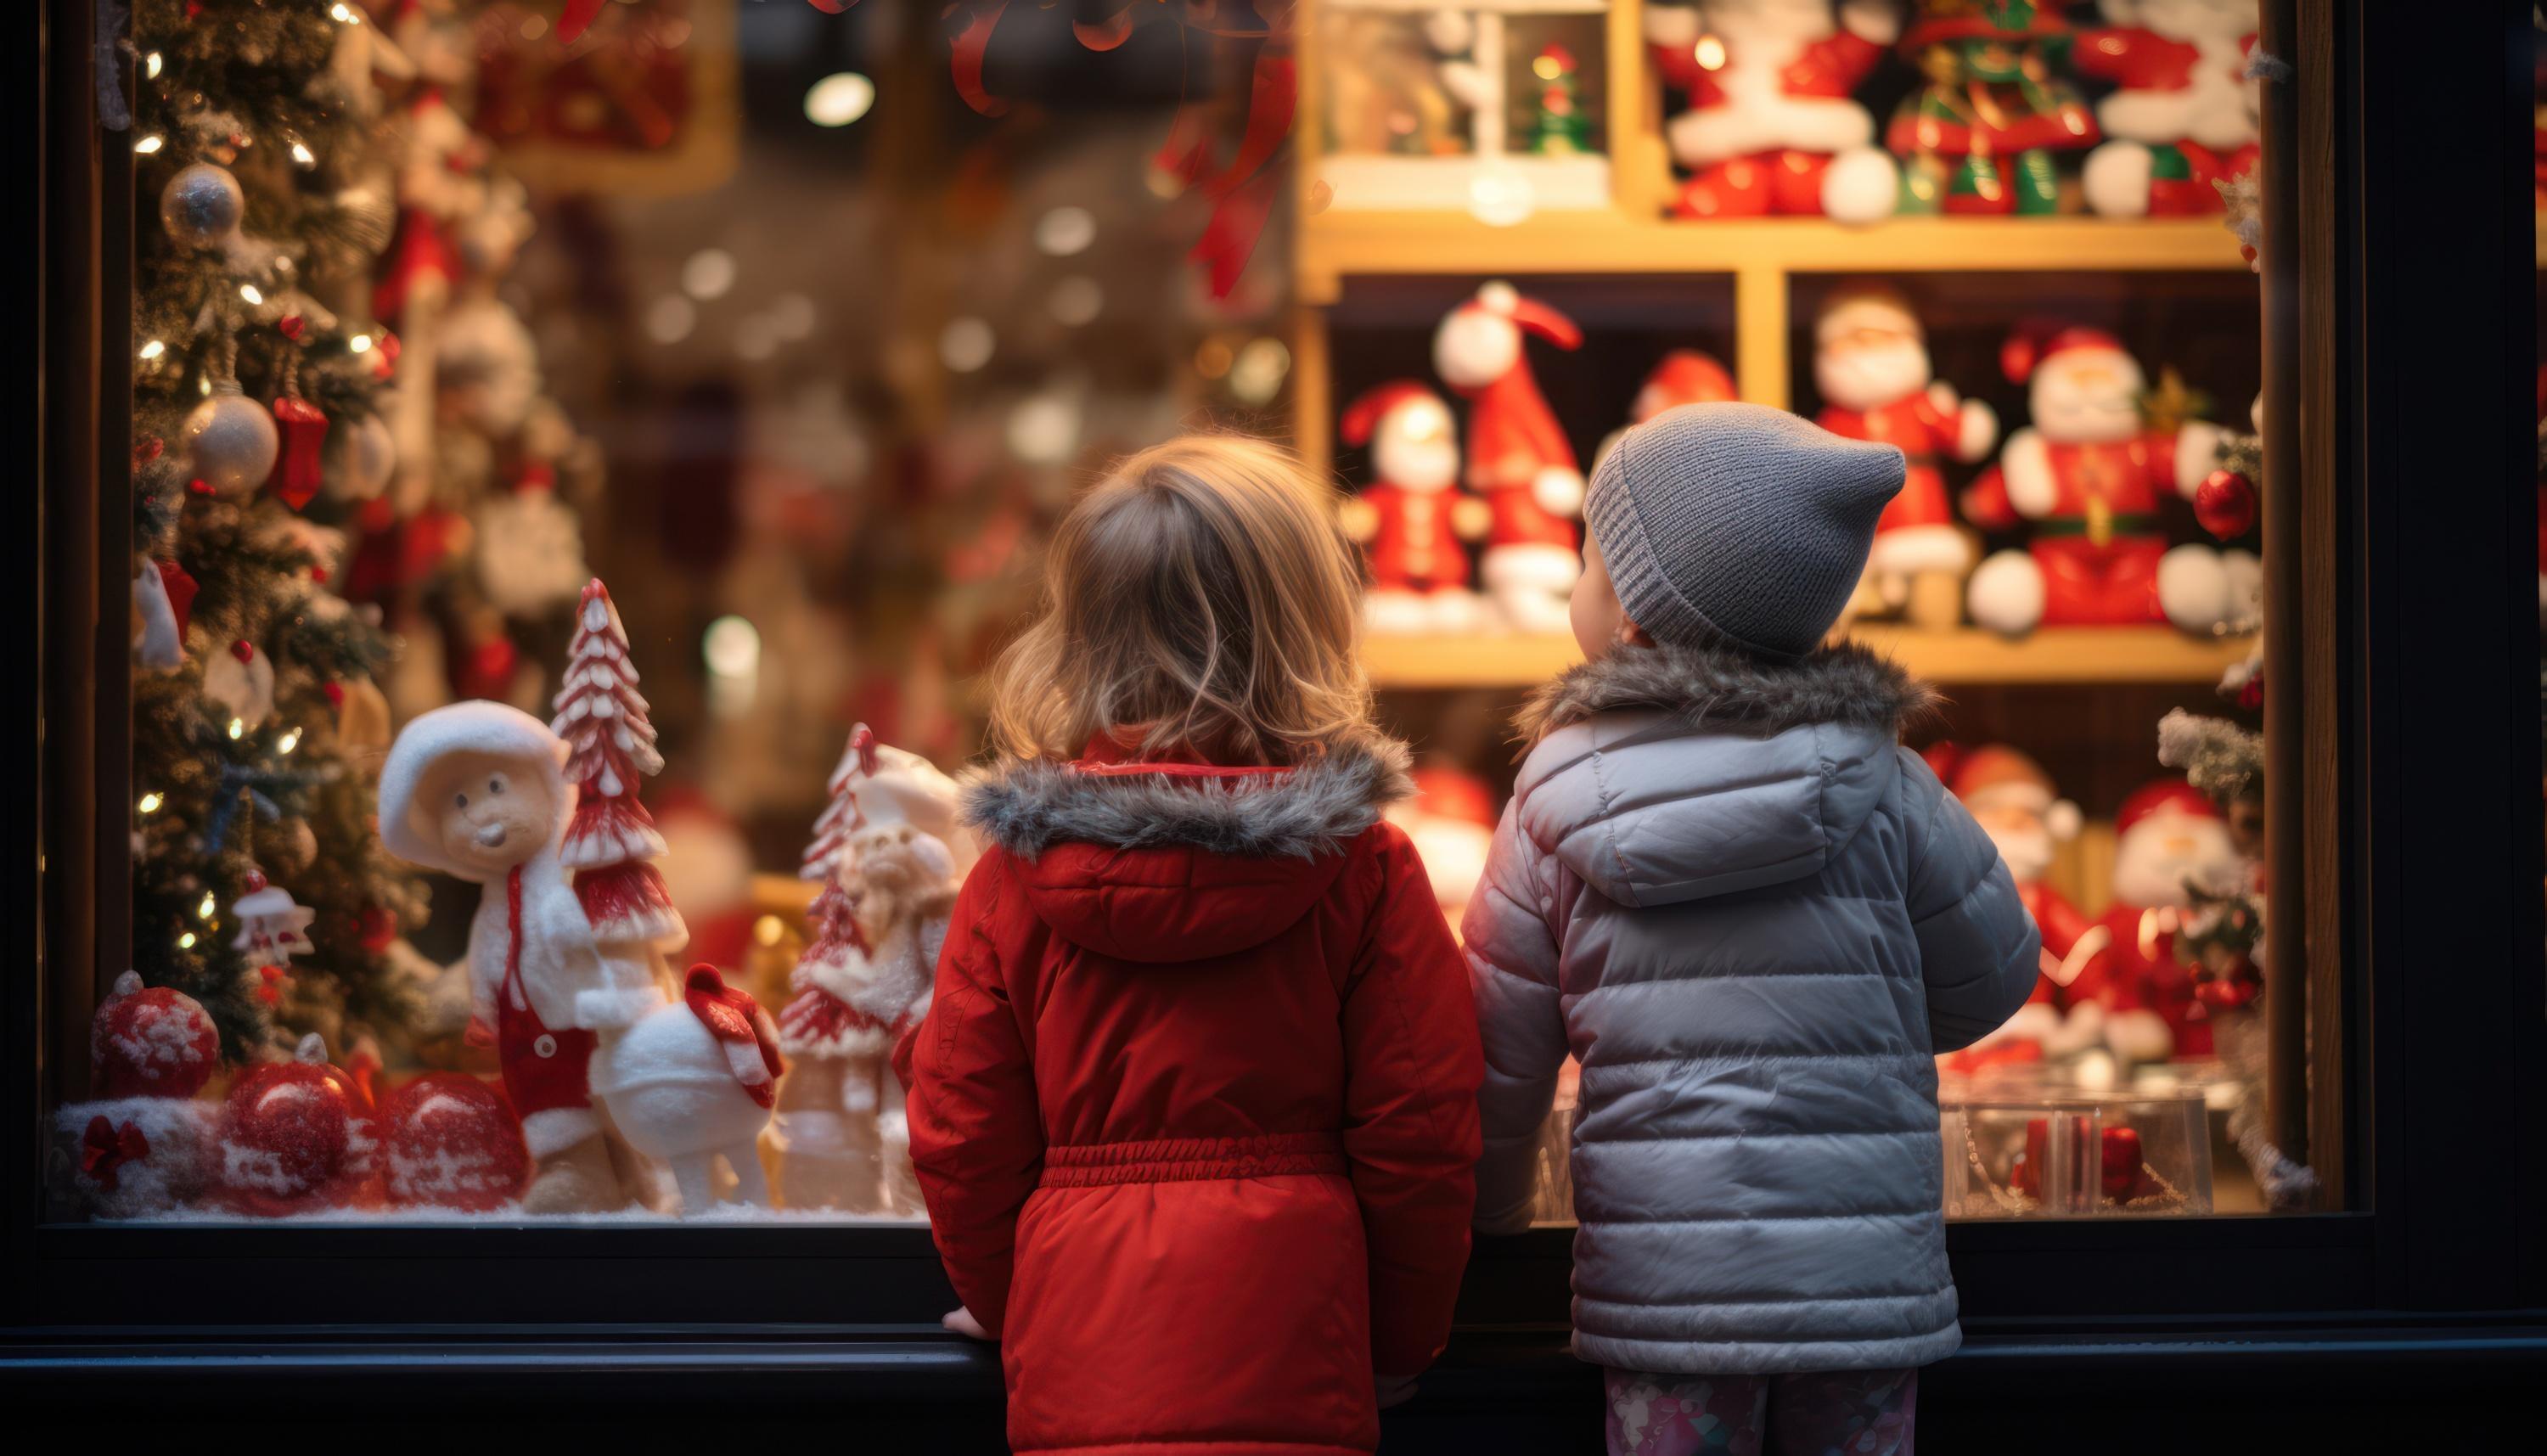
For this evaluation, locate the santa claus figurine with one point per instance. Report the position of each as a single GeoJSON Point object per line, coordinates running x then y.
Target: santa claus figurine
{"type": "Point", "coordinates": [2184, 117]}
{"type": "Point", "coordinates": [1519, 457]}
{"type": "Point", "coordinates": [2168, 837]}
{"type": "Point", "coordinates": [2088, 475]}
{"type": "Point", "coordinates": [2013, 800]}
{"type": "Point", "coordinates": [1413, 520]}
{"type": "Point", "coordinates": [1684, 377]}
{"type": "Point", "coordinates": [1871, 365]}
{"type": "Point", "coordinates": [1771, 126]}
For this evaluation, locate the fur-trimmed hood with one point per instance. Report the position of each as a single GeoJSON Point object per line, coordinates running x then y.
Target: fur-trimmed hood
{"type": "Point", "coordinates": [1027, 805]}
{"type": "Point", "coordinates": [1721, 690]}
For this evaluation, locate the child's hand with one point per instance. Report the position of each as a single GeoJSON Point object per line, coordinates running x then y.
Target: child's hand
{"type": "Point", "coordinates": [961, 1321]}
{"type": "Point", "coordinates": [1393, 1390]}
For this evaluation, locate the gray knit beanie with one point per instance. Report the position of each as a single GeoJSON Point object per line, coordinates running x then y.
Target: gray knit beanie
{"type": "Point", "coordinates": [1738, 524]}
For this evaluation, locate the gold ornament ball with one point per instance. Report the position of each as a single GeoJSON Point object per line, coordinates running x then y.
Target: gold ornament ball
{"type": "Point", "coordinates": [231, 442]}
{"type": "Point", "coordinates": [202, 206]}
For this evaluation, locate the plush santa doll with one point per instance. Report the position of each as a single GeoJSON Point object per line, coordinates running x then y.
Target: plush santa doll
{"type": "Point", "coordinates": [1413, 520]}
{"type": "Point", "coordinates": [2184, 117]}
{"type": "Point", "coordinates": [1771, 126]}
{"type": "Point", "coordinates": [2013, 800]}
{"type": "Point", "coordinates": [1684, 377]}
{"type": "Point", "coordinates": [1871, 365]}
{"type": "Point", "coordinates": [1519, 457]}
{"type": "Point", "coordinates": [2088, 475]}
{"type": "Point", "coordinates": [2166, 834]}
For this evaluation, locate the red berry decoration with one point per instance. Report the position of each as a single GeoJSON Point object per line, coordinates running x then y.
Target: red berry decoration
{"type": "Point", "coordinates": [150, 1041]}
{"type": "Point", "coordinates": [2224, 504]}
{"type": "Point", "coordinates": [294, 1137]}
{"type": "Point", "coordinates": [450, 1141]}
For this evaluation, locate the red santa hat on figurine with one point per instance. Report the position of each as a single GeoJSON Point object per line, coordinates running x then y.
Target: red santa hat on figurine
{"type": "Point", "coordinates": [2167, 836]}
{"type": "Point", "coordinates": [1519, 457]}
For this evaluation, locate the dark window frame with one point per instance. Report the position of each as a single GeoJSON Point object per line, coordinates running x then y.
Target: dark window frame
{"type": "Point", "coordinates": [2429, 640]}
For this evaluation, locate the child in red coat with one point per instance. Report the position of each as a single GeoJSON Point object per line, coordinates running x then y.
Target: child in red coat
{"type": "Point", "coordinates": [1195, 1105]}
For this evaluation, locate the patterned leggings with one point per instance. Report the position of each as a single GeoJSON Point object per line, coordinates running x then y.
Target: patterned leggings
{"type": "Point", "coordinates": [1846, 1412]}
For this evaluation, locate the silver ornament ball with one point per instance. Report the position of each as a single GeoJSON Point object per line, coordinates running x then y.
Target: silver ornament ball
{"type": "Point", "coordinates": [202, 206]}
{"type": "Point", "coordinates": [232, 441]}
{"type": "Point", "coordinates": [359, 458]}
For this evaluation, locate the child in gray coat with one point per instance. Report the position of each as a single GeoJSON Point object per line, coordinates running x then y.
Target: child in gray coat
{"type": "Point", "coordinates": [1755, 919]}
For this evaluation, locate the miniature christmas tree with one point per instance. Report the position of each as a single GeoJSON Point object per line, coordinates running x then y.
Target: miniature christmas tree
{"type": "Point", "coordinates": [1560, 129]}
{"type": "Point", "coordinates": [611, 840]}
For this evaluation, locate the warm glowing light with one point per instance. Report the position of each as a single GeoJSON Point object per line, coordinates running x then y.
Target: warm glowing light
{"type": "Point", "coordinates": [344, 14]}
{"type": "Point", "coordinates": [709, 274]}
{"type": "Point", "coordinates": [205, 911]}
{"type": "Point", "coordinates": [838, 98]}
{"type": "Point", "coordinates": [360, 343]}
{"type": "Point", "coordinates": [149, 145]}
{"type": "Point", "coordinates": [1064, 231]}
{"type": "Point", "coordinates": [732, 647]}
{"type": "Point", "coordinates": [151, 802]}
{"type": "Point", "coordinates": [1212, 360]}
{"type": "Point", "coordinates": [150, 66]}
{"type": "Point", "coordinates": [966, 344]}
{"type": "Point", "coordinates": [238, 727]}
{"type": "Point", "coordinates": [669, 319]}
{"type": "Point", "coordinates": [301, 153]}
{"type": "Point", "coordinates": [153, 349]}
{"type": "Point", "coordinates": [769, 930]}
{"type": "Point", "coordinates": [534, 27]}
{"type": "Point", "coordinates": [1546, 68]}
{"type": "Point", "coordinates": [1044, 429]}
{"type": "Point", "coordinates": [186, 942]}
{"type": "Point", "coordinates": [202, 384]}
{"type": "Point", "coordinates": [288, 741]}
{"type": "Point", "coordinates": [248, 291]}
{"type": "Point", "coordinates": [1711, 53]}
{"type": "Point", "coordinates": [1501, 198]}
{"type": "Point", "coordinates": [1256, 375]}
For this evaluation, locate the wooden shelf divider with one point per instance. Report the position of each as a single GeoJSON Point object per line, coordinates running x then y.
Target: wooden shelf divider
{"type": "Point", "coordinates": [2078, 655]}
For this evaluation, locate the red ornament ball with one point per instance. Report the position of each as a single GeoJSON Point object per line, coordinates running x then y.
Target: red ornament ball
{"type": "Point", "coordinates": [2224, 504]}
{"type": "Point", "coordinates": [450, 1141]}
{"type": "Point", "coordinates": [150, 1041]}
{"type": "Point", "coordinates": [294, 1137]}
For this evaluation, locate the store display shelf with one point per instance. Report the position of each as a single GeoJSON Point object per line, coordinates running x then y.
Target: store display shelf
{"type": "Point", "coordinates": [2078, 654]}
{"type": "Point", "coordinates": [1338, 243]}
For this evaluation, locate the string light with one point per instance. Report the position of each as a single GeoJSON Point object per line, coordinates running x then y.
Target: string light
{"type": "Point", "coordinates": [151, 802]}
{"type": "Point", "coordinates": [238, 727]}
{"type": "Point", "coordinates": [360, 343]}
{"type": "Point", "coordinates": [149, 144]}
{"type": "Point", "coordinates": [344, 14]}
{"type": "Point", "coordinates": [1710, 54]}
{"type": "Point", "coordinates": [838, 98]}
{"type": "Point", "coordinates": [202, 384]}
{"type": "Point", "coordinates": [150, 66]}
{"type": "Point", "coordinates": [248, 291]}
{"type": "Point", "coordinates": [153, 349]}
{"type": "Point", "coordinates": [301, 153]}
{"type": "Point", "coordinates": [288, 741]}
{"type": "Point", "coordinates": [186, 942]}
{"type": "Point", "coordinates": [205, 911]}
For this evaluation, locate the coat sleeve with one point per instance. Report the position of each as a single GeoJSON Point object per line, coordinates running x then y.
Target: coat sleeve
{"type": "Point", "coordinates": [1512, 974]}
{"type": "Point", "coordinates": [1411, 1068]}
{"type": "Point", "coordinates": [976, 1133]}
{"type": "Point", "coordinates": [1979, 950]}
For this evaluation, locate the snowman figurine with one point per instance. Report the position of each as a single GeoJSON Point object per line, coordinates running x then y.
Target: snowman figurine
{"type": "Point", "coordinates": [1413, 520]}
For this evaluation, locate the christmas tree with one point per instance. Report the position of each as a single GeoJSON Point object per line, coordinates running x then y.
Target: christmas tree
{"type": "Point", "coordinates": [1560, 129]}
{"type": "Point", "coordinates": [611, 840]}
{"type": "Point", "coordinates": [253, 369]}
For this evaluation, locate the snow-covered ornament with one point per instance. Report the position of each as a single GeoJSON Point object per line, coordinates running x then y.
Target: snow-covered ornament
{"type": "Point", "coordinates": [150, 1041]}
{"type": "Point", "coordinates": [230, 441]}
{"type": "Point", "coordinates": [134, 1158]}
{"type": "Point", "coordinates": [273, 928]}
{"type": "Point", "coordinates": [450, 1141]}
{"type": "Point", "coordinates": [530, 548]}
{"type": "Point", "coordinates": [241, 679]}
{"type": "Point", "coordinates": [202, 206]}
{"type": "Point", "coordinates": [294, 1137]}
{"type": "Point", "coordinates": [359, 458]}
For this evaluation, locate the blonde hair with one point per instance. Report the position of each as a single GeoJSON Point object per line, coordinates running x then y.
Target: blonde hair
{"type": "Point", "coordinates": [1204, 593]}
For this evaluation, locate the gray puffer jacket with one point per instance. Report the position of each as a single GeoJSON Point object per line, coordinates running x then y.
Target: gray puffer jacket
{"type": "Point", "coordinates": [1754, 919]}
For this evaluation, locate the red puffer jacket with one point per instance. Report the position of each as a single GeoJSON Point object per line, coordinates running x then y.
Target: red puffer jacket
{"type": "Point", "coordinates": [1194, 1106]}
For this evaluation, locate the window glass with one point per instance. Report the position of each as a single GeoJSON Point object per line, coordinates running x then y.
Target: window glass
{"type": "Point", "coordinates": [580, 478]}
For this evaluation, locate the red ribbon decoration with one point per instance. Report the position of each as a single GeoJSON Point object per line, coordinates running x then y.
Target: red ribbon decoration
{"type": "Point", "coordinates": [577, 17]}
{"type": "Point", "coordinates": [297, 470]}
{"type": "Point", "coordinates": [972, 44]}
{"type": "Point", "coordinates": [108, 1148]}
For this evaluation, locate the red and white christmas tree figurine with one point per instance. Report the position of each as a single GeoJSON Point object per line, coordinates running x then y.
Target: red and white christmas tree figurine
{"type": "Point", "coordinates": [273, 928]}
{"type": "Point", "coordinates": [611, 841]}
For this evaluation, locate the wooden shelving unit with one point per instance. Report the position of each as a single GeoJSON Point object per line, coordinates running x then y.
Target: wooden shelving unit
{"type": "Point", "coordinates": [2054, 655]}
